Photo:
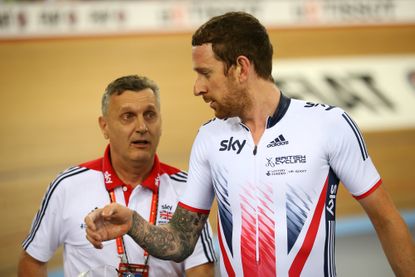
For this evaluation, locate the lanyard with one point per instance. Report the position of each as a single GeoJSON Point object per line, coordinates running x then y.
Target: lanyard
{"type": "Point", "coordinates": [120, 247]}
{"type": "Point", "coordinates": [152, 220]}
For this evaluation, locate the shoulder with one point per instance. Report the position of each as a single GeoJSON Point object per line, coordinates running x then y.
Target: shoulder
{"type": "Point", "coordinates": [215, 124]}
{"type": "Point", "coordinates": [319, 113]}
{"type": "Point", "coordinates": [65, 183]}
{"type": "Point", "coordinates": [172, 179]}
{"type": "Point", "coordinates": [312, 107]}
{"type": "Point", "coordinates": [70, 174]}
{"type": "Point", "coordinates": [78, 174]}
{"type": "Point", "coordinates": [173, 173]}
{"type": "Point", "coordinates": [94, 164]}
{"type": "Point", "coordinates": [218, 128]}
{"type": "Point", "coordinates": [209, 127]}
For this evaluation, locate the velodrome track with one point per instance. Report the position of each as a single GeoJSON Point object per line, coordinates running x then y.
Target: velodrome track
{"type": "Point", "coordinates": [50, 101]}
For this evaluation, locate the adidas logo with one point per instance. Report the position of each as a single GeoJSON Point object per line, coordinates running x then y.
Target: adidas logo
{"type": "Point", "coordinates": [280, 140]}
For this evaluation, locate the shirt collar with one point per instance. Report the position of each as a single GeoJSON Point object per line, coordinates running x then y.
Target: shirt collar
{"type": "Point", "coordinates": [112, 180]}
{"type": "Point", "coordinates": [280, 111]}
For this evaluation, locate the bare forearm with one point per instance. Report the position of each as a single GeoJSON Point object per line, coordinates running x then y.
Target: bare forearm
{"type": "Point", "coordinates": [398, 246]}
{"type": "Point", "coordinates": [173, 241]}
{"type": "Point", "coordinates": [28, 266]}
{"type": "Point", "coordinates": [392, 231]}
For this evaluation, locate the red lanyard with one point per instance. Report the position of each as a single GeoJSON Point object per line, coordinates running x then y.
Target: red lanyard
{"type": "Point", "coordinates": [152, 220]}
{"type": "Point", "coordinates": [120, 247]}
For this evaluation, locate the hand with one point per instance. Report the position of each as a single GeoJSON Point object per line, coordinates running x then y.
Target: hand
{"type": "Point", "coordinates": [110, 222]}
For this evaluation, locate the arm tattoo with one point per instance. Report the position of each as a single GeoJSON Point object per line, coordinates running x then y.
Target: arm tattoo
{"type": "Point", "coordinates": [173, 241]}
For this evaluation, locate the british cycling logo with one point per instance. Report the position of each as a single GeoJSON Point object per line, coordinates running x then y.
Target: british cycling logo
{"type": "Point", "coordinates": [232, 145]}
{"type": "Point", "coordinates": [272, 163]}
{"type": "Point", "coordinates": [294, 159]}
{"type": "Point", "coordinates": [278, 141]}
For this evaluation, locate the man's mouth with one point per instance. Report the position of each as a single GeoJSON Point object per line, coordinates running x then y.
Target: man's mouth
{"type": "Point", "coordinates": [140, 142]}
{"type": "Point", "coordinates": [207, 100]}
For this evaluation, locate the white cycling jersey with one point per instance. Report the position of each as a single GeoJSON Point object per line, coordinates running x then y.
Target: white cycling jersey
{"type": "Point", "coordinates": [79, 190]}
{"type": "Point", "coordinates": [276, 199]}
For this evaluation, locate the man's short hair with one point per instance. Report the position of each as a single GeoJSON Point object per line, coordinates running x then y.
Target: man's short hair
{"type": "Point", "coordinates": [237, 33]}
{"type": "Point", "coordinates": [132, 83]}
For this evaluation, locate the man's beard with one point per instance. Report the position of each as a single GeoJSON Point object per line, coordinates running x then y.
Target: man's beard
{"type": "Point", "coordinates": [234, 104]}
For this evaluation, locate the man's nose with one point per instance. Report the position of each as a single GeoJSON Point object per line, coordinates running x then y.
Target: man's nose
{"type": "Point", "coordinates": [199, 88]}
{"type": "Point", "coordinates": [141, 125]}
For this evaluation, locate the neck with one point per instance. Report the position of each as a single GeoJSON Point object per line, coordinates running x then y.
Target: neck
{"type": "Point", "coordinates": [265, 99]}
{"type": "Point", "coordinates": [132, 173]}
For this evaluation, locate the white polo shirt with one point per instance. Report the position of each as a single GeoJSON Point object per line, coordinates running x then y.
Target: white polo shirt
{"type": "Point", "coordinates": [276, 199]}
{"type": "Point", "coordinates": [80, 189]}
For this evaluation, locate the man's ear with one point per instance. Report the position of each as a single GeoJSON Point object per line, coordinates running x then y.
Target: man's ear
{"type": "Point", "coordinates": [243, 66]}
{"type": "Point", "coordinates": [103, 126]}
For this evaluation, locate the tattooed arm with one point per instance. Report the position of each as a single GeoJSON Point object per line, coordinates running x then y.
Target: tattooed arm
{"type": "Point", "coordinates": [173, 241]}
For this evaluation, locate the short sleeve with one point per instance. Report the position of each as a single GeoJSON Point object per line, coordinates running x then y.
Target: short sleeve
{"type": "Point", "coordinates": [349, 158]}
{"type": "Point", "coordinates": [199, 192]}
{"type": "Point", "coordinates": [204, 250]}
{"type": "Point", "coordinates": [45, 234]}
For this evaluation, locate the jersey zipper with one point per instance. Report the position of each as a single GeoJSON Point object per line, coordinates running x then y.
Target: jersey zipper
{"type": "Point", "coordinates": [256, 180]}
{"type": "Point", "coordinates": [256, 206]}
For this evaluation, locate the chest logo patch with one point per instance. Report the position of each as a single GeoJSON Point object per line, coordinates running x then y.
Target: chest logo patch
{"type": "Point", "coordinates": [165, 214]}
{"type": "Point", "coordinates": [107, 177]}
{"type": "Point", "coordinates": [232, 145]}
{"type": "Point", "coordinates": [278, 141]}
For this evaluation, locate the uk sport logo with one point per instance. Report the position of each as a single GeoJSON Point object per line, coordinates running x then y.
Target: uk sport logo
{"type": "Point", "coordinates": [278, 141]}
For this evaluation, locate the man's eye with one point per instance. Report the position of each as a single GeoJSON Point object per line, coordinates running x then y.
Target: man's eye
{"type": "Point", "coordinates": [150, 115]}
{"type": "Point", "coordinates": [127, 116]}
{"type": "Point", "coordinates": [206, 74]}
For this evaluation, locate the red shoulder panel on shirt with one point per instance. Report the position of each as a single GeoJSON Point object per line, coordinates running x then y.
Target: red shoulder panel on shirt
{"type": "Point", "coordinates": [168, 169]}
{"type": "Point", "coordinates": [94, 165]}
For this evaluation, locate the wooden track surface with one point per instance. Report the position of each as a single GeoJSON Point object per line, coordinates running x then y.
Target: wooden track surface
{"type": "Point", "coordinates": [50, 101]}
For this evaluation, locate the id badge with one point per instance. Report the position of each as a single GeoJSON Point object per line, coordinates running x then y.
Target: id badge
{"type": "Point", "coordinates": [132, 270]}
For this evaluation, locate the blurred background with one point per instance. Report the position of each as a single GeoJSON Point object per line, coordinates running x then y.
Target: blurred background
{"type": "Point", "coordinates": [56, 58]}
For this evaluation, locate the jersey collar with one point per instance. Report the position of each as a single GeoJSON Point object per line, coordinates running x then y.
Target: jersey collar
{"type": "Point", "coordinates": [279, 111]}
{"type": "Point", "coordinates": [112, 180]}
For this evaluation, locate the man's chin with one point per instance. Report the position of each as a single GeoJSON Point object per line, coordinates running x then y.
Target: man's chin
{"type": "Point", "coordinates": [141, 154]}
{"type": "Point", "coordinates": [218, 114]}
{"type": "Point", "coordinates": [222, 115]}
{"type": "Point", "coordinates": [142, 158]}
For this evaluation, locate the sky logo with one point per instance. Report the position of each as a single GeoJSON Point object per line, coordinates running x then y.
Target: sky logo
{"type": "Point", "coordinates": [232, 145]}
